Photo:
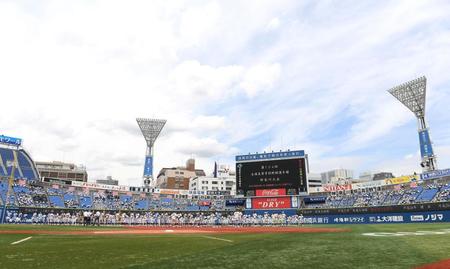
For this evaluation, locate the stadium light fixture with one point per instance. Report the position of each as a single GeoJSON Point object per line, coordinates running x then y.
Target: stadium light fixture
{"type": "Point", "coordinates": [412, 94]}
{"type": "Point", "coordinates": [150, 128]}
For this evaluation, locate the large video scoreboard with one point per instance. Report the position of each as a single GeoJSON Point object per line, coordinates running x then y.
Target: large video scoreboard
{"type": "Point", "coordinates": [271, 174]}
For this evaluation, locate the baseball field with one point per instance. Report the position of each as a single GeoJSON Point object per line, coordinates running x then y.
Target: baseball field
{"type": "Point", "coordinates": [343, 246]}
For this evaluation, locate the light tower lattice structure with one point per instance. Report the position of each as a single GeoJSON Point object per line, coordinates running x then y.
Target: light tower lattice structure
{"type": "Point", "coordinates": [412, 94]}
{"type": "Point", "coordinates": [150, 128]}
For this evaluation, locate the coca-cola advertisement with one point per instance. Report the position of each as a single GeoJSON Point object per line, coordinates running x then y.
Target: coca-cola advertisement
{"type": "Point", "coordinates": [271, 203]}
{"type": "Point", "coordinates": [271, 192]}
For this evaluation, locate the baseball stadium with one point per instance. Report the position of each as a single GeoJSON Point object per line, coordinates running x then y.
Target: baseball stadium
{"type": "Point", "coordinates": [273, 220]}
{"type": "Point", "coordinates": [224, 134]}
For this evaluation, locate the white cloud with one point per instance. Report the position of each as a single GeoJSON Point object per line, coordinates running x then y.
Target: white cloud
{"type": "Point", "coordinates": [198, 83]}
{"type": "Point", "coordinates": [273, 24]}
{"type": "Point", "coordinates": [199, 22]}
{"type": "Point", "coordinates": [260, 78]}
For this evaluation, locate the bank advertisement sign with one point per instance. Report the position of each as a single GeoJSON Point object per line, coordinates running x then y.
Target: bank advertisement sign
{"type": "Point", "coordinates": [405, 217]}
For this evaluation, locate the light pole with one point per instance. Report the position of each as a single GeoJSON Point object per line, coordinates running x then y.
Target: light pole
{"type": "Point", "coordinates": [412, 94]}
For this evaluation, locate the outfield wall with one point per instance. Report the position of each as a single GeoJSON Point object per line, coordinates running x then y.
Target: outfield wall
{"type": "Point", "coordinates": [429, 216]}
{"type": "Point", "coordinates": [405, 217]}
{"type": "Point", "coordinates": [439, 206]}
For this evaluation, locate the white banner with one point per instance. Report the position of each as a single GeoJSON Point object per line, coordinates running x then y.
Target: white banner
{"type": "Point", "coordinates": [369, 184]}
{"type": "Point", "coordinates": [99, 186]}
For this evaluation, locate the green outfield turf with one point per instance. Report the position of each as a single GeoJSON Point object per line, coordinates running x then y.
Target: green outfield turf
{"type": "Point", "coordinates": [326, 250]}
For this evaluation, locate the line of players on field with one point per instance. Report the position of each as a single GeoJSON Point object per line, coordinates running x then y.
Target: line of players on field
{"type": "Point", "coordinates": [153, 218]}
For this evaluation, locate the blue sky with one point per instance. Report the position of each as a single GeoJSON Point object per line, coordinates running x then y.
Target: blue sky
{"type": "Point", "coordinates": [230, 77]}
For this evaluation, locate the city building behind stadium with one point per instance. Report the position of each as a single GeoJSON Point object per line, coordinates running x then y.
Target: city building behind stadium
{"type": "Point", "coordinates": [255, 188]}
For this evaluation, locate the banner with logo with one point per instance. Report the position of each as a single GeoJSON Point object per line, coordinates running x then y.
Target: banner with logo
{"type": "Point", "coordinates": [400, 180]}
{"type": "Point", "coordinates": [404, 217]}
{"type": "Point", "coordinates": [335, 188]}
{"type": "Point", "coordinates": [270, 192]}
{"type": "Point", "coordinates": [315, 199]}
{"type": "Point", "coordinates": [369, 184]}
{"type": "Point", "coordinates": [99, 186]}
{"type": "Point", "coordinates": [235, 202]}
{"type": "Point", "coordinates": [435, 174]}
{"type": "Point", "coordinates": [148, 166]}
{"type": "Point", "coordinates": [426, 150]}
{"type": "Point", "coordinates": [169, 191]}
{"type": "Point", "coordinates": [10, 140]}
{"type": "Point", "coordinates": [271, 203]}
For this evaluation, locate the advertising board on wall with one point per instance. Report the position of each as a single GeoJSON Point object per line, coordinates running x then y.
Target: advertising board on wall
{"type": "Point", "coordinates": [235, 202]}
{"type": "Point", "coordinates": [400, 180]}
{"type": "Point", "coordinates": [335, 188]}
{"type": "Point", "coordinates": [369, 184]}
{"type": "Point", "coordinates": [148, 166]}
{"type": "Point", "coordinates": [426, 150]}
{"type": "Point", "coordinates": [376, 183]}
{"type": "Point", "coordinates": [435, 174]}
{"type": "Point", "coordinates": [405, 217]}
{"type": "Point", "coordinates": [271, 192]}
{"type": "Point", "coordinates": [99, 186]}
{"type": "Point", "coordinates": [10, 140]}
{"type": "Point", "coordinates": [271, 203]}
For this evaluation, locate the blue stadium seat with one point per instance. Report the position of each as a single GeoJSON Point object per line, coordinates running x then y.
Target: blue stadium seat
{"type": "Point", "coordinates": [56, 201]}
{"type": "Point", "coordinates": [85, 202]}
{"type": "Point", "coordinates": [426, 195]}
{"type": "Point", "coordinates": [142, 204]}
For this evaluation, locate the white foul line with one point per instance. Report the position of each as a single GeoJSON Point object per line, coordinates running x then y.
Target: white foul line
{"type": "Point", "coordinates": [216, 238]}
{"type": "Point", "coordinates": [20, 241]}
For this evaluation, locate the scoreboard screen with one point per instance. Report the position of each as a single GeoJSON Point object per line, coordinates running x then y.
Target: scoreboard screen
{"type": "Point", "coordinates": [281, 177]}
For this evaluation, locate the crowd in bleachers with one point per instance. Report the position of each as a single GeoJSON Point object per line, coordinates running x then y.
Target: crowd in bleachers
{"type": "Point", "coordinates": [39, 194]}
{"type": "Point", "coordinates": [43, 195]}
{"type": "Point", "coordinates": [400, 195]}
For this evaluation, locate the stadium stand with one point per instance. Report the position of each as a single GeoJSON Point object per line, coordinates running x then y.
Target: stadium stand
{"type": "Point", "coordinates": [26, 168]}
{"type": "Point", "coordinates": [40, 194]}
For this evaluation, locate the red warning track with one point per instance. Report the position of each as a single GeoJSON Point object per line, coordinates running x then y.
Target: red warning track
{"type": "Point", "coordinates": [445, 264]}
{"type": "Point", "coordinates": [142, 230]}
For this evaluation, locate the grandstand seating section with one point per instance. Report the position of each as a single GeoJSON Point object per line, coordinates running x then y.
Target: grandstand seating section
{"type": "Point", "coordinates": [29, 192]}
{"type": "Point", "coordinates": [426, 192]}
{"type": "Point", "coordinates": [38, 194]}
{"type": "Point", "coordinates": [26, 168]}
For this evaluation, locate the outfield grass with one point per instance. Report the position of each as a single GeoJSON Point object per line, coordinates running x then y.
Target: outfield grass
{"type": "Point", "coordinates": [327, 250]}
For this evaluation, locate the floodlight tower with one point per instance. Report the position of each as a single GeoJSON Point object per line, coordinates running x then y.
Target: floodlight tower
{"type": "Point", "coordinates": [150, 128]}
{"type": "Point", "coordinates": [412, 94]}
